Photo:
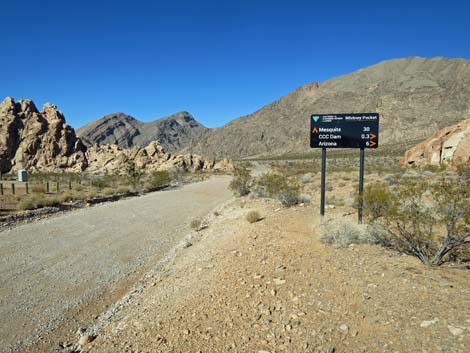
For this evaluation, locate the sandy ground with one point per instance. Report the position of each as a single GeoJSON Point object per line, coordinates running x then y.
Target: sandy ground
{"type": "Point", "coordinates": [51, 270]}
{"type": "Point", "coordinates": [271, 286]}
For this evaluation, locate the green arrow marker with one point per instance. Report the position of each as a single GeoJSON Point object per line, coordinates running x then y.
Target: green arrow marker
{"type": "Point", "coordinates": [315, 118]}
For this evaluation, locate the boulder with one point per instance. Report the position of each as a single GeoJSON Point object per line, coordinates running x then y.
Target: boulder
{"type": "Point", "coordinates": [449, 146]}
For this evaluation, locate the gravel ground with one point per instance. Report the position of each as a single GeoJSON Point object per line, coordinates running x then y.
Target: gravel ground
{"type": "Point", "coordinates": [51, 267]}
{"type": "Point", "coordinates": [271, 286]}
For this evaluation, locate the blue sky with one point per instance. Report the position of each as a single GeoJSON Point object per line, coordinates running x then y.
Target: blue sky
{"type": "Point", "coordinates": [216, 59]}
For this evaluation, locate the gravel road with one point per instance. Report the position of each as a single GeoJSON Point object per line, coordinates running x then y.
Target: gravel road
{"type": "Point", "coordinates": [50, 267]}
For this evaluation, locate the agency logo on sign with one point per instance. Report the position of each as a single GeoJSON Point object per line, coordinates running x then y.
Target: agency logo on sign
{"type": "Point", "coordinates": [315, 118]}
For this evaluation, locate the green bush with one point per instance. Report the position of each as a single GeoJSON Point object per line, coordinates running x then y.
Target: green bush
{"type": "Point", "coordinates": [134, 174]}
{"type": "Point", "coordinates": [253, 216]}
{"type": "Point", "coordinates": [160, 178]}
{"type": "Point", "coordinates": [195, 224]}
{"type": "Point", "coordinates": [241, 181]}
{"type": "Point", "coordinates": [429, 220]}
{"type": "Point", "coordinates": [279, 187]}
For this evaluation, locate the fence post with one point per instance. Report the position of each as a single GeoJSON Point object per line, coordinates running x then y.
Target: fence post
{"type": "Point", "coordinates": [70, 185]}
{"type": "Point", "coordinates": [27, 188]}
{"type": "Point", "coordinates": [47, 187]}
{"type": "Point", "coordinates": [57, 187]}
{"type": "Point", "coordinates": [1, 188]}
{"type": "Point", "coordinates": [13, 188]}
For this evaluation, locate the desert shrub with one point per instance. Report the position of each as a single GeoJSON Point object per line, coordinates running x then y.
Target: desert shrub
{"type": "Point", "coordinates": [343, 232]}
{"type": "Point", "coordinates": [429, 220]}
{"type": "Point", "coordinates": [77, 187]}
{"type": "Point", "coordinates": [101, 183]}
{"type": "Point", "coordinates": [253, 216]}
{"type": "Point", "coordinates": [160, 178]}
{"type": "Point", "coordinates": [306, 178]}
{"type": "Point", "coordinates": [195, 224]}
{"type": "Point", "coordinates": [241, 181]}
{"type": "Point", "coordinates": [333, 200]}
{"type": "Point", "coordinates": [35, 201]}
{"type": "Point", "coordinates": [65, 197]}
{"type": "Point", "coordinates": [27, 203]}
{"type": "Point", "coordinates": [38, 189]}
{"type": "Point", "coordinates": [216, 213]}
{"type": "Point", "coordinates": [278, 186]}
{"type": "Point", "coordinates": [133, 173]}
{"type": "Point", "coordinates": [91, 194]}
{"type": "Point", "coordinates": [123, 189]}
{"type": "Point", "coordinates": [78, 196]}
{"type": "Point", "coordinates": [108, 191]}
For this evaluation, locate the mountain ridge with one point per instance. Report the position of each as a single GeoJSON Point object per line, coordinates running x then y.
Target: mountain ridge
{"type": "Point", "coordinates": [174, 131]}
{"type": "Point", "coordinates": [414, 96]}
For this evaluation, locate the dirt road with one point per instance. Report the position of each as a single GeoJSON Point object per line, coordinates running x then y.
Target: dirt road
{"type": "Point", "coordinates": [50, 268]}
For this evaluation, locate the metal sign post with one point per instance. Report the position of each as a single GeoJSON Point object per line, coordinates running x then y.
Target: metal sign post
{"type": "Point", "coordinates": [323, 182]}
{"type": "Point", "coordinates": [361, 187]}
{"type": "Point", "coordinates": [355, 130]}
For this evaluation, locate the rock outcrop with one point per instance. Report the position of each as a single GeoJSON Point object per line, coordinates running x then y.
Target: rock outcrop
{"type": "Point", "coordinates": [449, 146]}
{"type": "Point", "coordinates": [37, 140]}
{"type": "Point", "coordinates": [174, 132]}
{"type": "Point", "coordinates": [42, 141]}
{"type": "Point", "coordinates": [414, 96]}
{"type": "Point", "coordinates": [114, 159]}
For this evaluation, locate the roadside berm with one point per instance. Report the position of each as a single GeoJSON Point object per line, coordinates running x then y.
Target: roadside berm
{"type": "Point", "coordinates": [272, 286]}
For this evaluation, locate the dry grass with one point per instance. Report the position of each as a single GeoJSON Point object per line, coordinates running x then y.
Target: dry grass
{"type": "Point", "coordinates": [253, 216]}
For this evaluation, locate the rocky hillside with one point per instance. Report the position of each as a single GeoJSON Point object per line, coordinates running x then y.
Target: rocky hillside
{"type": "Point", "coordinates": [414, 96]}
{"type": "Point", "coordinates": [113, 159]}
{"type": "Point", "coordinates": [450, 145]}
{"type": "Point", "coordinates": [174, 132]}
{"type": "Point", "coordinates": [39, 140]}
{"type": "Point", "coordinates": [42, 141]}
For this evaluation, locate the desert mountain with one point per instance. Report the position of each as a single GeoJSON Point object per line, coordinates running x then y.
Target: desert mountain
{"type": "Point", "coordinates": [174, 131]}
{"type": "Point", "coordinates": [450, 145]}
{"type": "Point", "coordinates": [414, 96]}
{"type": "Point", "coordinates": [42, 141]}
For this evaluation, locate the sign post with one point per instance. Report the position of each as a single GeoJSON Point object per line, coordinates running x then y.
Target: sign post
{"type": "Point", "coordinates": [361, 186]}
{"type": "Point", "coordinates": [323, 182]}
{"type": "Point", "coordinates": [355, 130]}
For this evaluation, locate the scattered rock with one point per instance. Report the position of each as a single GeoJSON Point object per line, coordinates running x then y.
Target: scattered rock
{"type": "Point", "coordinates": [344, 328]}
{"type": "Point", "coordinates": [455, 330]}
{"type": "Point", "coordinates": [85, 339]}
{"type": "Point", "coordinates": [278, 281]}
{"type": "Point", "coordinates": [428, 323]}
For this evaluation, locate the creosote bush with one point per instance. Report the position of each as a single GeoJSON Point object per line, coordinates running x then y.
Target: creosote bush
{"type": "Point", "coordinates": [241, 181]}
{"type": "Point", "coordinates": [278, 186]}
{"type": "Point", "coordinates": [253, 217]}
{"type": "Point", "coordinates": [429, 220]}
